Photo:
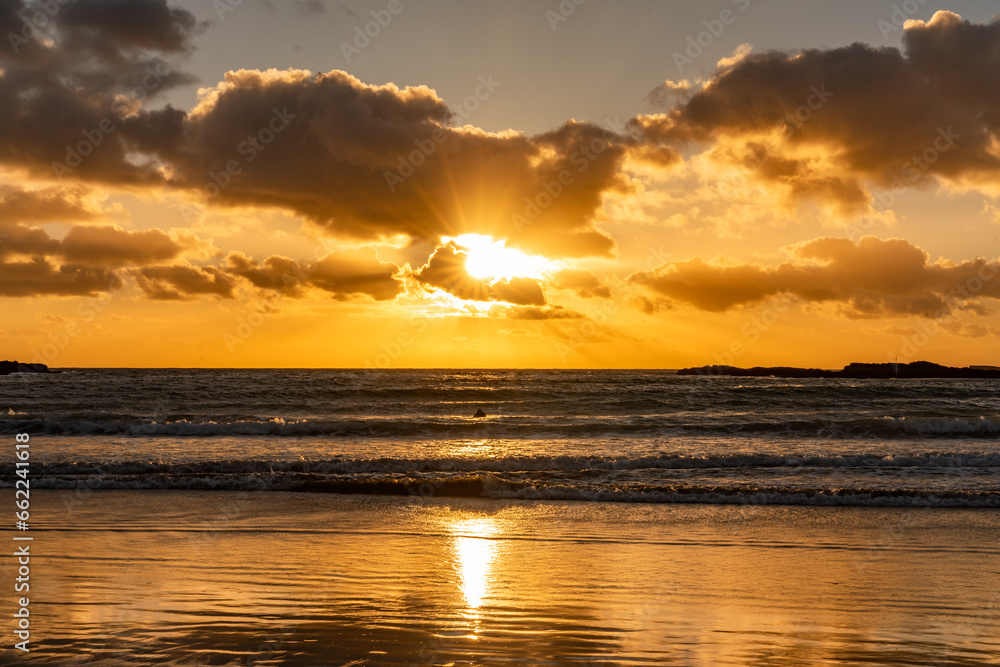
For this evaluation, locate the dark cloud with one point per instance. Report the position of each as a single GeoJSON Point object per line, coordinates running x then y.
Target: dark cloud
{"type": "Point", "coordinates": [358, 161]}
{"type": "Point", "coordinates": [373, 161]}
{"type": "Point", "coordinates": [117, 246]}
{"type": "Point", "coordinates": [38, 277]}
{"type": "Point", "coordinates": [20, 240]}
{"type": "Point", "coordinates": [64, 92]}
{"type": "Point", "coordinates": [583, 282]}
{"type": "Point", "coordinates": [275, 274]}
{"type": "Point", "coordinates": [11, 23]}
{"type": "Point", "coordinates": [127, 25]}
{"type": "Point", "coordinates": [522, 291]}
{"type": "Point", "coordinates": [446, 270]}
{"type": "Point", "coordinates": [822, 122]}
{"type": "Point", "coordinates": [871, 278]}
{"type": "Point", "coordinates": [61, 266]}
{"type": "Point", "coordinates": [99, 245]}
{"type": "Point", "coordinates": [370, 162]}
{"type": "Point", "coordinates": [104, 245]}
{"type": "Point", "coordinates": [345, 274]}
{"type": "Point", "coordinates": [83, 262]}
{"type": "Point", "coordinates": [182, 282]}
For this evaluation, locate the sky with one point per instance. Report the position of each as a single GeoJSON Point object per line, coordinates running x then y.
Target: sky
{"type": "Point", "coordinates": [574, 184]}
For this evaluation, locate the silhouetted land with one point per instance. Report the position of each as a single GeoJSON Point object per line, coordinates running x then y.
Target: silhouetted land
{"type": "Point", "coordinates": [8, 367]}
{"type": "Point", "coordinates": [916, 369]}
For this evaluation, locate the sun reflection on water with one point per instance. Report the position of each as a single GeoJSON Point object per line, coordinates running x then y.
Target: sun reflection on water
{"type": "Point", "coordinates": [475, 552]}
{"type": "Point", "coordinates": [477, 448]}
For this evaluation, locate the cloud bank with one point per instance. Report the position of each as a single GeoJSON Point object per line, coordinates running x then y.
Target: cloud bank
{"type": "Point", "coordinates": [870, 278]}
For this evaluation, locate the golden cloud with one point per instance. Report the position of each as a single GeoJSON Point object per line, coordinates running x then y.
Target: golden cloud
{"type": "Point", "coordinates": [870, 278]}
{"type": "Point", "coordinates": [583, 282]}
{"type": "Point", "coordinates": [820, 124]}
{"type": "Point", "coordinates": [446, 270]}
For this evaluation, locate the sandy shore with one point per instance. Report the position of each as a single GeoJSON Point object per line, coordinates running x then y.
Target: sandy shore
{"type": "Point", "coordinates": [159, 577]}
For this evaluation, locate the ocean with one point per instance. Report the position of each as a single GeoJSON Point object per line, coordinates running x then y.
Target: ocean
{"type": "Point", "coordinates": [592, 518]}
{"type": "Point", "coordinates": [617, 436]}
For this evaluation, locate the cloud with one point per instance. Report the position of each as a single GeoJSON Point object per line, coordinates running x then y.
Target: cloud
{"type": "Point", "coordinates": [351, 273]}
{"type": "Point", "coordinates": [20, 240]}
{"type": "Point", "coordinates": [276, 273]}
{"type": "Point", "coordinates": [358, 161]}
{"type": "Point", "coordinates": [964, 329]}
{"type": "Point", "coordinates": [583, 282]}
{"type": "Point", "coordinates": [521, 291]}
{"type": "Point", "coordinates": [181, 282]}
{"type": "Point", "coordinates": [11, 20]}
{"type": "Point", "coordinates": [445, 269]}
{"type": "Point", "coordinates": [116, 246]}
{"type": "Point", "coordinates": [370, 162]}
{"type": "Point", "coordinates": [868, 279]}
{"type": "Point", "coordinates": [670, 93]}
{"type": "Point", "coordinates": [104, 245]}
{"type": "Point", "coordinates": [65, 86]}
{"type": "Point", "coordinates": [536, 313]}
{"type": "Point", "coordinates": [61, 266]}
{"type": "Point", "coordinates": [650, 306]}
{"type": "Point", "coordinates": [38, 277]}
{"type": "Point", "coordinates": [344, 274]}
{"type": "Point", "coordinates": [52, 204]}
{"type": "Point", "coordinates": [83, 262]}
{"type": "Point", "coordinates": [738, 55]}
{"type": "Point", "coordinates": [124, 26]}
{"type": "Point", "coordinates": [375, 161]}
{"type": "Point", "coordinates": [819, 124]}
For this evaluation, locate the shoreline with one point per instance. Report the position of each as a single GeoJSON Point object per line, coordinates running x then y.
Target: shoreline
{"type": "Point", "coordinates": [473, 490]}
{"type": "Point", "coordinates": [232, 578]}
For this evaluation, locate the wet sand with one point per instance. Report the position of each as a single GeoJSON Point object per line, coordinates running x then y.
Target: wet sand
{"type": "Point", "coordinates": [219, 578]}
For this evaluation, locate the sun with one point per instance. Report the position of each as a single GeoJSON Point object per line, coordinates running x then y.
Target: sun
{"type": "Point", "coordinates": [490, 259]}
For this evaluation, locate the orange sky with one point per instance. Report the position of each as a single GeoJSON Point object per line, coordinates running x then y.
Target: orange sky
{"type": "Point", "coordinates": [180, 187]}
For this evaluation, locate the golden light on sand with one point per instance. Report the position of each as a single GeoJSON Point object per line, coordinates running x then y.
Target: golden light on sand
{"type": "Point", "coordinates": [475, 552]}
{"type": "Point", "coordinates": [490, 259]}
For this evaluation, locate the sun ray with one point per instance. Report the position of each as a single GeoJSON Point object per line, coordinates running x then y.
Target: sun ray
{"type": "Point", "coordinates": [490, 259]}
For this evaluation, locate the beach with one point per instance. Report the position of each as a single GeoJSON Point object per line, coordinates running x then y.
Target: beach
{"type": "Point", "coordinates": [226, 578]}
{"type": "Point", "coordinates": [352, 517]}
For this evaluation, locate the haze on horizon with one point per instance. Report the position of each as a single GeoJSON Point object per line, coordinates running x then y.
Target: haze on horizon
{"type": "Point", "coordinates": [475, 184]}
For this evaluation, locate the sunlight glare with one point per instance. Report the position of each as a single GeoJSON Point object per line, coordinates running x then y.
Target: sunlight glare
{"type": "Point", "coordinates": [475, 551]}
{"type": "Point", "coordinates": [490, 259]}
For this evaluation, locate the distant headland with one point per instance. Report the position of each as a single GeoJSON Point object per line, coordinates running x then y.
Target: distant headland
{"type": "Point", "coordinates": [8, 367]}
{"type": "Point", "coordinates": [916, 369]}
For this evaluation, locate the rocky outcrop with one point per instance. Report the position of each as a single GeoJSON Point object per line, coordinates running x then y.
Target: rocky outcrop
{"type": "Point", "coordinates": [8, 367]}
{"type": "Point", "coordinates": [916, 369]}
